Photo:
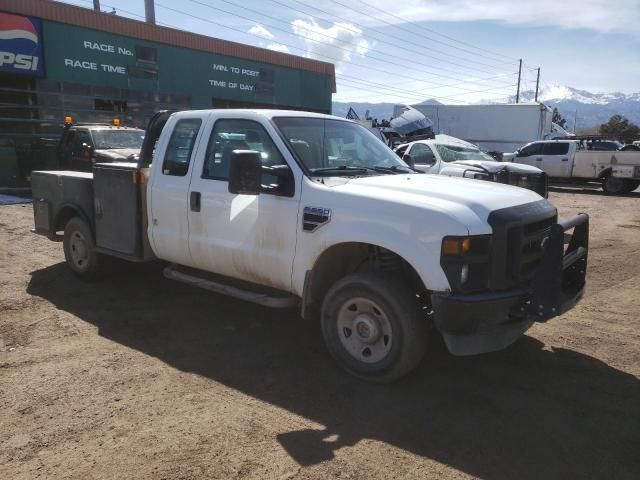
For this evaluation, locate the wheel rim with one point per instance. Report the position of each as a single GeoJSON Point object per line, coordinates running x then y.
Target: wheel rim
{"type": "Point", "coordinates": [364, 330]}
{"type": "Point", "coordinates": [78, 250]}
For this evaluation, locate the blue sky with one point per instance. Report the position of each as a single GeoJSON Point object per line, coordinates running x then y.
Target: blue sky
{"type": "Point", "coordinates": [457, 51]}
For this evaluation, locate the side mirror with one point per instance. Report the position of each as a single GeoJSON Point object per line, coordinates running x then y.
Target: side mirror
{"type": "Point", "coordinates": [408, 159]}
{"type": "Point", "coordinates": [245, 172]}
{"type": "Point", "coordinates": [87, 150]}
{"type": "Point", "coordinates": [519, 153]}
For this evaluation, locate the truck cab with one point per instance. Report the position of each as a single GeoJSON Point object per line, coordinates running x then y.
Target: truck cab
{"type": "Point", "coordinates": [84, 144]}
{"type": "Point", "coordinates": [299, 209]}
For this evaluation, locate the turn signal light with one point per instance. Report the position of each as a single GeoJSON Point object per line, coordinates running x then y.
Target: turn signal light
{"type": "Point", "coordinates": [116, 122]}
{"type": "Point", "coordinates": [456, 246]}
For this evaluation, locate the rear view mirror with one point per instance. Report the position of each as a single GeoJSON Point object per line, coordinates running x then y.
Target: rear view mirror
{"type": "Point", "coordinates": [245, 172]}
{"type": "Point", "coordinates": [408, 159]}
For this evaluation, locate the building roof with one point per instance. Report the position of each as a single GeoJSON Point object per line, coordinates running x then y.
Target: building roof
{"type": "Point", "coordinates": [106, 22]}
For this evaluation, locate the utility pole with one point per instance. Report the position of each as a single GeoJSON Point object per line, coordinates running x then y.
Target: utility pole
{"type": "Point", "coordinates": [519, 75]}
{"type": "Point", "coordinates": [150, 11]}
{"type": "Point", "coordinates": [96, 5]}
{"type": "Point", "coordinates": [537, 84]}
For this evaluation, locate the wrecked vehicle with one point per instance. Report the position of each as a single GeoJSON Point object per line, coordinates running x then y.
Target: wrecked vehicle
{"type": "Point", "coordinates": [450, 156]}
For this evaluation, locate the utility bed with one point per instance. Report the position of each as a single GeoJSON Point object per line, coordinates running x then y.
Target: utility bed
{"type": "Point", "coordinates": [111, 200]}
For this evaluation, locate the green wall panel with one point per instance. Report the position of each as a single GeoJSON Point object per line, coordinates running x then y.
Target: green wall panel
{"type": "Point", "coordinates": [80, 55]}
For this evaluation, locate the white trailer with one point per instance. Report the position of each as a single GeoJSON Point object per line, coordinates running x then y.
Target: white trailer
{"type": "Point", "coordinates": [494, 128]}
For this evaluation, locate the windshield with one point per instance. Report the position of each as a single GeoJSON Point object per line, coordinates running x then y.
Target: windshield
{"type": "Point", "coordinates": [336, 147]}
{"type": "Point", "coordinates": [109, 139]}
{"type": "Point", "coordinates": [451, 153]}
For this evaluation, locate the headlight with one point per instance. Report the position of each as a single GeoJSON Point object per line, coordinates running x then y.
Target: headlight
{"type": "Point", "coordinates": [465, 261]}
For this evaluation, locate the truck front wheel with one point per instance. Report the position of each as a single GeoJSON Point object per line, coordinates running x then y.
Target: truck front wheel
{"type": "Point", "coordinates": [80, 249]}
{"type": "Point", "coordinates": [374, 327]}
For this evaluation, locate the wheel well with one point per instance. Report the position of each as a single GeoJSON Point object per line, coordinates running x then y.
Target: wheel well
{"type": "Point", "coordinates": [605, 173]}
{"type": "Point", "coordinates": [346, 258]}
{"type": "Point", "coordinates": [62, 218]}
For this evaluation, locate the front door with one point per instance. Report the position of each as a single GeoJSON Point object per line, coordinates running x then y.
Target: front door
{"type": "Point", "coordinates": [249, 237]}
{"type": "Point", "coordinates": [169, 196]}
{"type": "Point", "coordinates": [531, 155]}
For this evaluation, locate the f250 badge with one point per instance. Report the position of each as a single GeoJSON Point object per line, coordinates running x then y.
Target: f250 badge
{"type": "Point", "coordinates": [314, 217]}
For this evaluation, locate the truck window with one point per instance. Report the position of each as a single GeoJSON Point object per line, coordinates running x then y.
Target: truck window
{"type": "Point", "coordinates": [80, 138]}
{"type": "Point", "coordinates": [229, 135]}
{"type": "Point", "coordinates": [533, 149]}
{"type": "Point", "coordinates": [556, 148]}
{"type": "Point", "coordinates": [180, 148]}
{"type": "Point", "coordinates": [422, 154]}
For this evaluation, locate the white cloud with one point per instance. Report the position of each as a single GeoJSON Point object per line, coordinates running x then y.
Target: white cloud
{"type": "Point", "coordinates": [260, 31]}
{"type": "Point", "coordinates": [597, 15]}
{"type": "Point", "coordinates": [278, 47]}
{"type": "Point", "coordinates": [334, 44]}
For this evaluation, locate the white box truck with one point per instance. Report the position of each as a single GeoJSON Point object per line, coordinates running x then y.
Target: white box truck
{"type": "Point", "coordinates": [494, 128]}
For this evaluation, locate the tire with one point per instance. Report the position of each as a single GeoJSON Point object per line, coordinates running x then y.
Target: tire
{"type": "Point", "coordinates": [615, 186]}
{"type": "Point", "coordinates": [80, 250]}
{"type": "Point", "coordinates": [374, 327]}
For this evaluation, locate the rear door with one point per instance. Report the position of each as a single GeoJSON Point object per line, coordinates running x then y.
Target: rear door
{"type": "Point", "coordinates": [556, 159]}
{"type": "Point", "coordinates": [169, 195]}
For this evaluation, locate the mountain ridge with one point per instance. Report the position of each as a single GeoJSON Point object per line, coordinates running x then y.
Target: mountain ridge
{"type": "Point", "coordinates": [586, 108]}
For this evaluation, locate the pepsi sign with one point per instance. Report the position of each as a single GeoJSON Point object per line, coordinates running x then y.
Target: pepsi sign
{"type": "Point", "coordinates": [21, 45]}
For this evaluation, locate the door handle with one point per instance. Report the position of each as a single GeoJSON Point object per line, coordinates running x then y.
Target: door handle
{"type": "Point", "coordinates": [538, 159]}
{"type": "Point", "coordinates": [565, 159]}
{"type": "Point", "coordinates": [194, 201]}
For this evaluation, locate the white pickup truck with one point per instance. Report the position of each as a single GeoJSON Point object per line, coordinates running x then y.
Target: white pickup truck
{"type": "Point", "coordinates": [453, 157]}
{"type": "Point", "coordinates": [571, 161]}
{"type": "Point", "coordinates": [299, 209]}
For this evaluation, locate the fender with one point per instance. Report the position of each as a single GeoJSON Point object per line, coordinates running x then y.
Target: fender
{"type": "Point", "coordinates": [423, 254]}
{"type": "Point", "coordinates": [60, 215]}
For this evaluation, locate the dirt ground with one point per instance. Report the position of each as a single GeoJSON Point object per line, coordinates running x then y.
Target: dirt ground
{"type": "Point", "coordinates": [139, 377]}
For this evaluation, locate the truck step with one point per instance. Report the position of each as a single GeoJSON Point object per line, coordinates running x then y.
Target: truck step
{"type": "Point", "coordinates": [231, 287]}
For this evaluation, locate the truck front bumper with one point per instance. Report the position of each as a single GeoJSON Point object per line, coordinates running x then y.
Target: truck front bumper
{"type": "Point", "coordinates": [489, 321]}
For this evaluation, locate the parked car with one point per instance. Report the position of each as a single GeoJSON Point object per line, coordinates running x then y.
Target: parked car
{"type": "Point", "coordinates": [450, 156]}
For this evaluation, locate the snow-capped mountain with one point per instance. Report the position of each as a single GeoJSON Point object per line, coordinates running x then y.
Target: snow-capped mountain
{"type": "Point", "coordinates": [587, 108]}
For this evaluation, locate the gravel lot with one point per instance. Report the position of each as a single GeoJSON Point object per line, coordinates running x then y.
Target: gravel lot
{"type": "Point", "coordinates": [137, 376]}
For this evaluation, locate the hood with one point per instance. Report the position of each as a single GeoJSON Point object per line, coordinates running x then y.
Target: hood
{"type": "Point", "coordinates": [469, 201]}
{"type": "Point", "coordinates": [493, 167]}
{"type": "Point", "coordinates": [115, 154]}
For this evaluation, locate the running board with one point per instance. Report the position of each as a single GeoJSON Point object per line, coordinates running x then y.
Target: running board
{"type": "Point", "coordinates": [283, 300]}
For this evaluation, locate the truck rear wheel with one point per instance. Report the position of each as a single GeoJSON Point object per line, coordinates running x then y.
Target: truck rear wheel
{"type": "Point", "coordinates": [373, 326]}
{"type": "Point", "coordinates": [615, 186]}
{"type": "Point", "coordinates": [80, 249]}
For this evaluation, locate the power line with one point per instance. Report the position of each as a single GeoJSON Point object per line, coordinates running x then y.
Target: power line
{"type": "Point", "coordinates": [318, 41]}
{"type": "Point", "coordinates": [404, 20]}
{"type": "Point", "coordinates": [291, 46]}
{"type": "Point", "coordinates": [362, 27]}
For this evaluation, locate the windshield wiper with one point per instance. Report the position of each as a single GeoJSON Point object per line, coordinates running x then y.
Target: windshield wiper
{"type": "Point", "coordinates": [350, 169]}
{"type": "Point", "coordinates": [393, 169]}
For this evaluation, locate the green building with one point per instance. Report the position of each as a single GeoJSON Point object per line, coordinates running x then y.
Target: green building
{"type": "Point", "coordinates": [58, 60]}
